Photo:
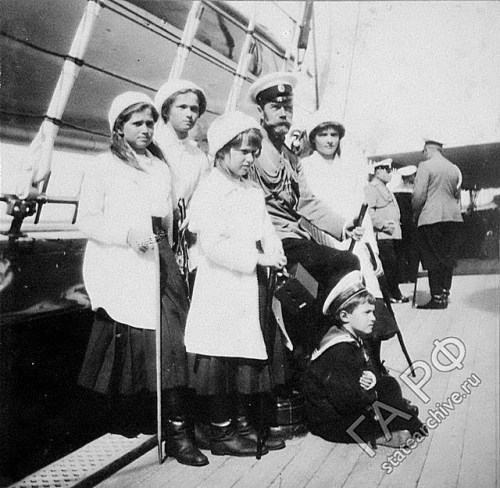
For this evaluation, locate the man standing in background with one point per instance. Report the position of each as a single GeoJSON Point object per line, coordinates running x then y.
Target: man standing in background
{"type": "Point", "coordinates": [384, 212]}
{"type": "Point", "coordinates": [406, 249]}
{"type": "Point", "coordinates": [436, 208]}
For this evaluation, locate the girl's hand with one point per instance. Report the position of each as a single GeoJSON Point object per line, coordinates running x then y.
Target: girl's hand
{"type": "Point", "coordinates": [140, 241]}
{"type": "Point", "coordinates": [273, 260]}
{"type": "Point", "coordinates": [389, 227]}
{"type": "Point", "coordinates": [356, 233]}
{"type": "Point", "coordinates": [367, 380]}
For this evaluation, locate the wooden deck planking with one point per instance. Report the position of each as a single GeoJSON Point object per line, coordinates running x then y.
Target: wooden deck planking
{"type": "Point", "coordinates": [312, 453]}
{"type": "Point", "coordinates": [425, 327]}
{"type": "Point", "coordinates": [446, 443]}
{"type": "Point", "coordinates": [479, 464]}
{"type": "Point", "coordinates": [461, 452]}
{"type": "Point", "coordinates": [271, 466]}
{"type": "Point", "coordinates": [337, 467]}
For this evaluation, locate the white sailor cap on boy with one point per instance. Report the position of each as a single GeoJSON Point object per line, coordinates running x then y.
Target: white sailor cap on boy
{"type": "Point", "coordinates": [124, 101]}
{"type": "Point", "coordinates": [171, 87]}
{"type": "Point", "coordinates": [351, 285]}
{"type": "Point", "coordinates": [273, 87]}
{"type": "Point", "coordinates": [226, 127]}
{"type": "Point", "coordinates": [407, 170]}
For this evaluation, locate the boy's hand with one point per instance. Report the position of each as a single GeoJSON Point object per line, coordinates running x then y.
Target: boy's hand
{"type": "Point", "coordinates": [367, 380]}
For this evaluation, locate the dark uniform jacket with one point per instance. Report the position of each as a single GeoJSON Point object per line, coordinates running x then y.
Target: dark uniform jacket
{"type": "Point", "coordinates": [288, 196]}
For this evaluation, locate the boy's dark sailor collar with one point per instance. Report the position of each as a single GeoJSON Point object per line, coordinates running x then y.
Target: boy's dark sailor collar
{"type": "Point", "coordinates": [331, 338]}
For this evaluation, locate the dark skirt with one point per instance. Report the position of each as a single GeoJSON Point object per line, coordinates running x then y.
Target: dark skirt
{"type": "Point", "coordinates": [438, 245]}
{"type": "Point", "coordinates": [121, 359]}
{"type": "Point", "coordinates": [215, 375]}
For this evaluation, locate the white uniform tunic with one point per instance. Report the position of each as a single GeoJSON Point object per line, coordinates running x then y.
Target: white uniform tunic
{"type": "Point", "coordinates": [229, 218]}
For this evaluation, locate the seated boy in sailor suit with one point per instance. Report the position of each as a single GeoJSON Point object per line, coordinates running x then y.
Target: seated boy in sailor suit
{"type": "Point", "coordinates": [346, 398]}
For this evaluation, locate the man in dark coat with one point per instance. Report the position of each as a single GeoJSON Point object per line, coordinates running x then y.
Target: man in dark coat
{"type": "Point", "coordinates": [406, 249]}
{"type": "Point", "coordinates": [436, 208]}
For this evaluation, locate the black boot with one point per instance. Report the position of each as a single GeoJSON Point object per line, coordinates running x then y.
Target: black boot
{"type": "Point", "coordinates": [272, 441]}
{"type": "Point", "coordinates": [446, 294]}
{"type": "Point", "coordinates": [202, 435]}
{"type": "Point", "coordinates": [226, 441]}
{"type": "Point", "coordinates": [437, 302]}
{"type": "Point", "coordinates": [181, 446]}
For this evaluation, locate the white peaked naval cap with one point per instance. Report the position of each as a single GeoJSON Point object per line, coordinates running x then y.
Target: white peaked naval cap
{"type": "Point", "coordinates": [407, 170]}
{"type": "Point", "coordinates": [273, 86]}
{"type": "Point", "coordinates": [350, 285]}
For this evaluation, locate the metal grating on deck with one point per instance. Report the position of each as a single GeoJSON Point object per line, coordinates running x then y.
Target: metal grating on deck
{"type": "Point", "coordinates": [90, 464]}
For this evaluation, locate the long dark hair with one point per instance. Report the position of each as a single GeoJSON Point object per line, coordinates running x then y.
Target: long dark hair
{"type": "Point", "coordinates": [202, 101]}
{"type": "Point", "coordinates": [120, 148]}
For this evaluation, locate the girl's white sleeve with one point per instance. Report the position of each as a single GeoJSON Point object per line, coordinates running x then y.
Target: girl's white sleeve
{"type": "Point", "coordinates": [217, 244]}
{"type": "Point", "coordinates": [92, 220]}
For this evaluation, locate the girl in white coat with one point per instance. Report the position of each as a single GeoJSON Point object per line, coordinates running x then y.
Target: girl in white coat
{"type": "Point", "coordinates": [340, 183]}
{"type": "Point", "coordinates": [180, 104]}
{"type": "Point", "coordinates": [130, 272]}
{"type": "Point", "coordinates": [223, 330]}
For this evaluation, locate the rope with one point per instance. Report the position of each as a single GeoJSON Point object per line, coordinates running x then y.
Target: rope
{"type": "Point", "coordinates": [352, 60]}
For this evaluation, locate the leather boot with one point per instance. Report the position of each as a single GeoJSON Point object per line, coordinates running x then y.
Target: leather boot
{"type": "Point", "coordinates": [181, 446]}
{"type": "Point", "coordinates": [202, 436]}
{"type": "Point", "coordinates": [446, 294]}
{"type": "Point", "coordinates": [398, 439]}
{"type": "Point", "coordinates": [437, 302]}
{"type": "Point", "coordinates": [272, 441]}
{"type": "Point", "coordinates": [226, 441]}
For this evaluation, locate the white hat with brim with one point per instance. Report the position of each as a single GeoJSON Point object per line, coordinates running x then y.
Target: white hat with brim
{"type": "Point", "coordinates": [124, 101]}
{"type": "Point", "coordinates": [171, 87]}
{"type": "Point", "coordinates": [351, 285]}
{"type": "Point", "coordinates": [407, 170]}
{"type": "Point", "coordinates": [373, 165]}
{"type": "Point", "coordinates": [434, 137]}
{"type": "Point", "coordinates": [323, 117]}
{"type": "Point", "coordinates": [272, 86]}
{"type": "Point", "coordinates": [226, 127]}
